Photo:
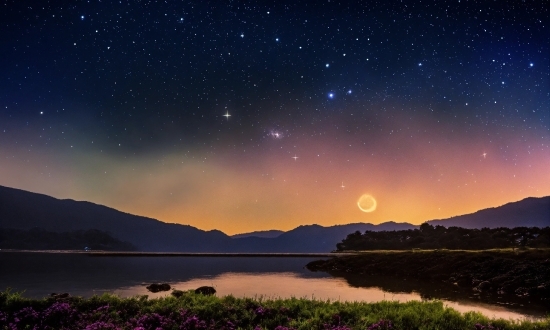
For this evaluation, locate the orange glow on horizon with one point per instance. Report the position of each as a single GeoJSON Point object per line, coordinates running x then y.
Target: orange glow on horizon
{"type": "Point", "coordinates": [413, 180]}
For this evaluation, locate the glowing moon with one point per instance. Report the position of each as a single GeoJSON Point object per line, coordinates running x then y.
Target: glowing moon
{"type": "Point", "coordinates": [366, 203]}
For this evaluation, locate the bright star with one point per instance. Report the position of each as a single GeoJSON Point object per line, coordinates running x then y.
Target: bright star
{"type": "Point", "coordinates": [419, 64]}
{"type": "Point", "coordinates": [327, 65]}
{"type": "Point", "coordinates": [330, 95]}
{"type": "Point", "coordinates": [227, 115]}
{"type": "Point", "coordinates": [531, 65]}
{"type": "Point", "coordinates": [242, 35]}
{"type": "Point", "coordinates": [342, 186]}
{"type": "Point", "coordinates": [349, 91]}
{"type": "Point", "coordinates": [276, 135]}
{"type": "Point", "coordinates": [82, 17]}
{"type": "Point", "coordinates": [484, 154]}
{"type": "Point", "coordinates": [295, 157]}
{"type": "Point", "coordinates": [276, 39]}
{"type": "Point", "coordinates": [41, 112]}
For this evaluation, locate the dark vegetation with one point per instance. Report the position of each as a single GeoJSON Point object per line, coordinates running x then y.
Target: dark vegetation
{"type": "Point", "coordinates": [524, 274]}
{"type": "Point", "coordinates": [440, 237]}
{"type": "Point", "coordinates": [40, 239]}
{"type": "Point", "coordinates": [198, 311]}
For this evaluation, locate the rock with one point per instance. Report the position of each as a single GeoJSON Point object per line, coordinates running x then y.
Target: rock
{"type": "Point", "coordinates": [464, 282]}
{"type": "Point", "coordinates": [177, 293]}
{"type": "Point", "coordinates": [206, 290]}
{"type": "Point", "coordinates": [483, 286]}
{"type": "Point", "coordinates": [317, 265]}
{"type": "Point", "coordinates": [522, 292]}
{"type": "Point", "coordinates": [157, 287]}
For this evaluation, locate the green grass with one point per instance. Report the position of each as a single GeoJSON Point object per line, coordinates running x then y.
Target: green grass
{"type": "Point", "coordinates": [239, 313]}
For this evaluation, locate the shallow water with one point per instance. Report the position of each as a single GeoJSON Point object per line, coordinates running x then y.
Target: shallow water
{"type": "Point", "coordinates": [39, 274]}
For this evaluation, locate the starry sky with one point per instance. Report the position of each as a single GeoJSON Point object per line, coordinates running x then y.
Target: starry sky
{"type": "Point", "coordinates": [256, 115]}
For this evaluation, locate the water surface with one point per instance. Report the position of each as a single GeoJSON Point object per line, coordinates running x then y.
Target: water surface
{"type": "Point", "coordinates": [39, 274]}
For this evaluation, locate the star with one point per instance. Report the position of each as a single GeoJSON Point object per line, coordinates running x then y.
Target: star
{"type": "Point", "coordinates": [349, 91]}
{"type": "Point", "coordinates": [484, 154]}
{"type": "Point", "coordinates": [327, 65]}
{"type": "Point", "coordinates": [342, 186]}
{"type": "Point", "coordinates": [242, 35]}
{"type": "Point", "coordinates": [227, 115]}
{"type": "Point", "coordinates": [82, 17]}
{"type": "Point", "coordinates": [276, 135]}
{"type": "Point", "coordinates": [330, 95]}
{"type": "Point", "coordinates": [295, 157]}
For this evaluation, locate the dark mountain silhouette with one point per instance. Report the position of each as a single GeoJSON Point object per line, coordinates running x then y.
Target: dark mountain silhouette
{"type": "Point", "coordinates": [39, 239]}
{"type": "Point", "coordinates": [263, 233]}
{"type": "Point", "coordinates": [528, 212]}
{"type": "Point", "coordinates": [25, 210]}
{"type": "Point", "coordinates": [316, 238]}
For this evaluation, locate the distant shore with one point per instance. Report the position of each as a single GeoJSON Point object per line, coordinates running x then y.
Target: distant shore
{"type": "Point", "coordinates": [225, 255]}
{"type": "Point", "coordinates": [183, 254]}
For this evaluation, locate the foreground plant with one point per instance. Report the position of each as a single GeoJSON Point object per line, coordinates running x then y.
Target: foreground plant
{"type": "Point", "coordinates": [195, 311]}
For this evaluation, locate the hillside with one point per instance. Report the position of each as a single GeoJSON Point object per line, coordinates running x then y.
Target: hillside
{"type": "Point", "coordinates": [528, 212]}
{"type": "Point", "coordinates": [316, 238]}
{"type": "Point", "coordinates": [23, 210]}
{"type": "Point", "coordinates": [262, 234]}
{"type": "Point", "coordinates": [39, 239]}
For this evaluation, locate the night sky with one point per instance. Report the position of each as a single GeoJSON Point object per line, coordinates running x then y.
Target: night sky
{"type": "Point", "coordinates": [243, 116]}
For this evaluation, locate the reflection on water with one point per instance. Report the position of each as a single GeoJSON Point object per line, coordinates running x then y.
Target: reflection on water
{"type": "Point", "coordinates": [39, 274]}
{"type": "Point", "coordinates": [288, 285]}
{"type": "Point", "coordinates": [461, 299]}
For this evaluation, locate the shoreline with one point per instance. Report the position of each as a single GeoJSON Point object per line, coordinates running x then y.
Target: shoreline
{"type": "Point", "coordinates": [184, 254]}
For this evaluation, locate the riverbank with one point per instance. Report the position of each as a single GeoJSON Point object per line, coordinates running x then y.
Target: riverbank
{"type": "Point", "coordinates": [522, 274]}
{"type": "Point", "coordinates": [197, 311]}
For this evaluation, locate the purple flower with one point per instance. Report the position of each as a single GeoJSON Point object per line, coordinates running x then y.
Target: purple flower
{"type": "Point", "coordinates": [488, 327]}
{"type": "Point", "coordinates": [100, 326]}
{"type": "Point", "coordinates": [260, 311]}
{"type": "Point", "coordinates": [382, 324]}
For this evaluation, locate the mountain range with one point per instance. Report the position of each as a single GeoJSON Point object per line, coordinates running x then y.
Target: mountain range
{"type": "Point", "coordinates": [529, 212]}
{"type": "Point", "coordinates": [23, 210]}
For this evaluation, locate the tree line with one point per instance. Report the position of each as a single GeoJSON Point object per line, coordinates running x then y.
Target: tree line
{"type": "Point", "coordinates": [440, 237]}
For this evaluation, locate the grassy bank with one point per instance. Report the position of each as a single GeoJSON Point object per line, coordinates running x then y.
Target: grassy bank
{"type": "Point", "coordinates": [195, 311]}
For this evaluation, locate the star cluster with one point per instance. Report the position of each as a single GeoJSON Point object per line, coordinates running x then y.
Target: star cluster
{"type": "Point", "coordinates": [250, 115]}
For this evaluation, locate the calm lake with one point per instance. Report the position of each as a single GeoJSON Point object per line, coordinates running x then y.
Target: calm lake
{"type": "Point", "coordinates": [39, 274]}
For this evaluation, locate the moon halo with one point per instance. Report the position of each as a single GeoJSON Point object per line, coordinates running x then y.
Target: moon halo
{"type": "Point", "coordinates": [366, 203]}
